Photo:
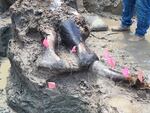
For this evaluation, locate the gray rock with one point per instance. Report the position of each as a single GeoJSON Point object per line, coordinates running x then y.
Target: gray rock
{"type": "Point", "coordinates": [97, 6]}
{"type": "Point", "coordinates": [5, 35]}
{"type": "Point", "coordinates": [95, 22]}
{"type": "Point", "coordinates": [5, 4]}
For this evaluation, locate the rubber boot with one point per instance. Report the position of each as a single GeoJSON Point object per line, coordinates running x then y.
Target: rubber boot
{"type": "Point", "coordinates": [71, 36]}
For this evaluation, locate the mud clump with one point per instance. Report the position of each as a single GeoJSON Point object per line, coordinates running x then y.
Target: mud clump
{"type": "Point", "coordinates": [27, 90]}
{"type": "Point", "coordinates": [5, 35]}
{"type": "Point", "coordinates": [5, 4]}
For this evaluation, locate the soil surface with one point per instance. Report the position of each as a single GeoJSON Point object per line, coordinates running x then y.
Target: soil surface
{"type": "Point", "coordinates": [4, 73]}
{"type": "Point", "coordinates": [132, 54]}
{"type": "Point", "coordinates": [121, 98]}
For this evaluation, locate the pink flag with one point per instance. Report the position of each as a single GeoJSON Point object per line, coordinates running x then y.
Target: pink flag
{"type": "Point", "coordinates": [51, 85]}
{"type": "Point", "coordinates": [106, 54]}
{"type": "Point", "coordinates": [45, 43]}
{"type": "Point", "coordinates": [111, 62]}
{"type": "Point", "coordinates": [125, 72]}
{"type": "Point", "coordinates": [74, 49]}
{"type": "Point", "coordinates": [141, 76]}
{"type": "Point", "coordinates": [109, 59]}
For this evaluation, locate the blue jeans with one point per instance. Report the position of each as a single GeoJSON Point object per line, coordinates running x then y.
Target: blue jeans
{"type": "Point", "coordinates": [143, 15]}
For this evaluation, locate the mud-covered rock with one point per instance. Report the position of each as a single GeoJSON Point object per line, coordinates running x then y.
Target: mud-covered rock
{"type": "Point", "coordinates": [71, 3]}
{"type": "Point", "coordinates": [95, 22]}
{"type": "Point", "coordinates": [5, 4]}
{"type": "Point", "coordinates": [77, 90]}
{"type": "Point", "coordinates": [97, 6]}
{"type": "Point", "coordinates": [27, 89]}
{"type": "Point", "coordinates": [5, 35]}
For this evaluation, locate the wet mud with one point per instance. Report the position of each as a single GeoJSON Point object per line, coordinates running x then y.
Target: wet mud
{"type": "Point", "coordinates": [77, 91]}
{"type": "Point", "coordinates": [4, 73]}
{"type": "Point", "coordinates": [110, 97]}
{"type": "Point", "coordinates": [132, 54]}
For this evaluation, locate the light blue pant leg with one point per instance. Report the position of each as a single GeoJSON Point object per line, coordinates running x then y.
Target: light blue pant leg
{"type": "Point", "coordinates": [143, 16]}
{"type": "Point", "coordinates": [128, 12]}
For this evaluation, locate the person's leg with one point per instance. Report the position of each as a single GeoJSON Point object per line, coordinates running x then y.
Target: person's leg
{"type": "Point", "coordinates": [143, 17]}
{"type": "Point", "coordinates": [127, 14]}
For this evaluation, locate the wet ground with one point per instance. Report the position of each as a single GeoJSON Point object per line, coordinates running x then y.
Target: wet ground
{"type": "Point", "coordinates": [132, 54]}
{"type": "Point", "coordinates": [4, 73]}
{"type": "Point", "coordinates": [127, 53]}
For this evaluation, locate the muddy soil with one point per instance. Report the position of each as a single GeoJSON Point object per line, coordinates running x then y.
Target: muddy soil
{"type": "Point", "coordinates": [133, 54]}
{"type": "Point", "coordinates": [4, 73]}
{"type": "Point", "coordinates": [110, 96]}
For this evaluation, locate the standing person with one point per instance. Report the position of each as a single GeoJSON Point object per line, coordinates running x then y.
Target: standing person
{"type": "Point", "coordinates": [143, 18]}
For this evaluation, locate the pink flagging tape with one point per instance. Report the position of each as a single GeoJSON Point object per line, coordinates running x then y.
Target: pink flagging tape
{"type": "Point", "coordinates": [109, 59]}
{"type": "Point", "coordinates": [51, 85]}
{"type": "Point", "coordinates": [125, 72]}
{"type": "Point", "coordinates": [141, 76]}
{"type": "Point", "coordinates": [45, 43]}
{"type": "Point", "coordinates": [106, 54]}
{"type": "Point", "coordinates": [111, 62]}
{"type": "Point", "coordinates": [74, 49]}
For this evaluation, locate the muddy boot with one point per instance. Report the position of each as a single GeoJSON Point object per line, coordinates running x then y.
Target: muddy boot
{"type": "Point", "coordinates": [71, 36]}
{"type": "Point", "coordinates": [86, 57]}
{"type": "Point", "coordinates": [136, 38]}
{"type": "Point", "coordinates": [80, 6]}
{"type": "Point", "coordinates": [50, 59]}
{"type": "Point", "coordinates": [120, 28]}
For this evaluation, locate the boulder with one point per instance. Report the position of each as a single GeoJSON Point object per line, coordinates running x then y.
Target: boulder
{"type": "Point", "coordinates": [5, 35]}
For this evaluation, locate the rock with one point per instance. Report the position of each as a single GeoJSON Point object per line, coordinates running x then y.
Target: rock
{"type": "Point", "coordinates": [5, 4]}
{"type": "Point", "coordinates": [76, 4]}
{"type": "Point", "coordinates": [71, 3]}
{"type": "Point", "coordinates": [95, 22]}
{"type": "Point", "coordinates": [10, 1]}
{"type": "Point", "coordinates": [5, 35]}
{"type": "Point", "coordinates": [97, 6]}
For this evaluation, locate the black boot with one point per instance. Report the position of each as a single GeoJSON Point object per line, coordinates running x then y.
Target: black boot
{"type": "Point", "coordinates": [71, 36]}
